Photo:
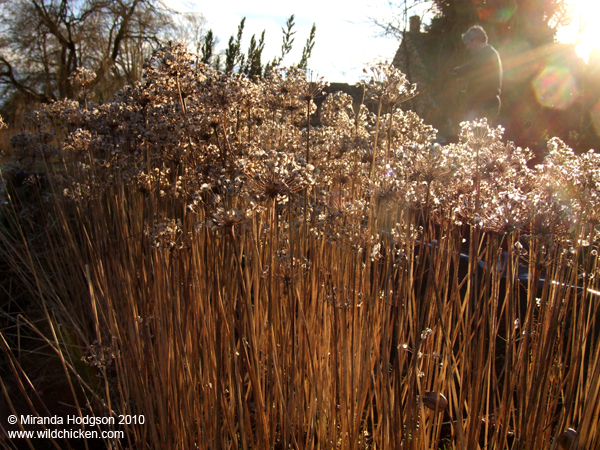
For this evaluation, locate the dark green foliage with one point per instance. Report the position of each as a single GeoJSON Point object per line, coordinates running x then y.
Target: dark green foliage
{"type": "Point", "coordinates": [306, 52]}
{"type": "Point", "coordinates": [286, 46]}
{"type": "Point", "coordinates": [207, 47]}
{"type": "Point", "coordinates": [251, 63]}
{"type": "Point", "coordinates": [233, 55]}
{"type": "Point", "coordinates": [253, 67]}
{"type": "Point", "coordinates": [524, 33]}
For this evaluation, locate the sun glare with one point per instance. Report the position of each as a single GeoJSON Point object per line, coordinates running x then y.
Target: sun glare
{"type": "Point", "coordinates": [586, 26]}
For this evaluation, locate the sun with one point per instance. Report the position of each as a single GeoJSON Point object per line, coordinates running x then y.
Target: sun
{"type": "Point", "coordinates": [585, 26]}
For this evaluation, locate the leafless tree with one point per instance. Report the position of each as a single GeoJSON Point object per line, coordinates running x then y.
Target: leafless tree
{"type": "Point", "coordinates": [45, 41]}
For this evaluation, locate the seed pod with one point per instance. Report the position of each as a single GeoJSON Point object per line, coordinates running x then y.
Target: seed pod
{"type": "Point", "coordinates": [567, 439]}
{"type": "Point", "coordinates": [433, 400]}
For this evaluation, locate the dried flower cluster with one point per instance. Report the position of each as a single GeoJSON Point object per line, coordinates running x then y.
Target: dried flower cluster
{"type": "Point", "coordinates": [191, 133]}
{"type": "Point", "coordinates": [307, 282]}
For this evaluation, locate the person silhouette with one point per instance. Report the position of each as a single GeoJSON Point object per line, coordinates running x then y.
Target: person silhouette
{"type": "Point", "coordinates": [483, 76]}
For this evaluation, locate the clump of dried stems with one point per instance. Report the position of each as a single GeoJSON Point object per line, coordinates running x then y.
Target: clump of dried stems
{"type": "Point", "coordinates": [198, 253]}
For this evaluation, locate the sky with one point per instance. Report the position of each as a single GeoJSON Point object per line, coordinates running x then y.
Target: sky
{"type": "Point", "coordinates": [347, 40]}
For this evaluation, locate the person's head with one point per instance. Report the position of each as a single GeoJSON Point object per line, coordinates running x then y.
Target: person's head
{"type": "Point", "coordinates": [475, 38]}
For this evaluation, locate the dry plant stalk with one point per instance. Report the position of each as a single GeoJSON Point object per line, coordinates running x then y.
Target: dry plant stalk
{"type": "Point", "coordinates": [186, 262]}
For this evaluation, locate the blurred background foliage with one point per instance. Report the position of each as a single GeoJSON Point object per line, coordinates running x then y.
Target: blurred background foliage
{"type": "Point", "coordinates": [548, 90]}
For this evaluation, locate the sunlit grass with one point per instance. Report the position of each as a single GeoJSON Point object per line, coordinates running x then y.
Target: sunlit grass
{"type": "Point", "coordinates": [200, 257]}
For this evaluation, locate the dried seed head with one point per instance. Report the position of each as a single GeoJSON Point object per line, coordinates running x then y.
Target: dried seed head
{"type": "Point", "coordinates": [567, 439]}
{"type": "Point", "coordinates": [435, 401]}
{"type": "Point", "coordinates": [82, 77]}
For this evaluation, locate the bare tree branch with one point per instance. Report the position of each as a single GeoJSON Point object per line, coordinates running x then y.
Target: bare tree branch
{"type": "Point", "coordinates": [43, 42]}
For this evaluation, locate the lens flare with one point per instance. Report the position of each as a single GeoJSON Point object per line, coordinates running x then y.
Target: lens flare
{"type": "Point", "coordinates": [496, 14]}
{"type": "Point", "coordinates": [555, 87]}
{"type": "Point", "coordinates": [519, 61]}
